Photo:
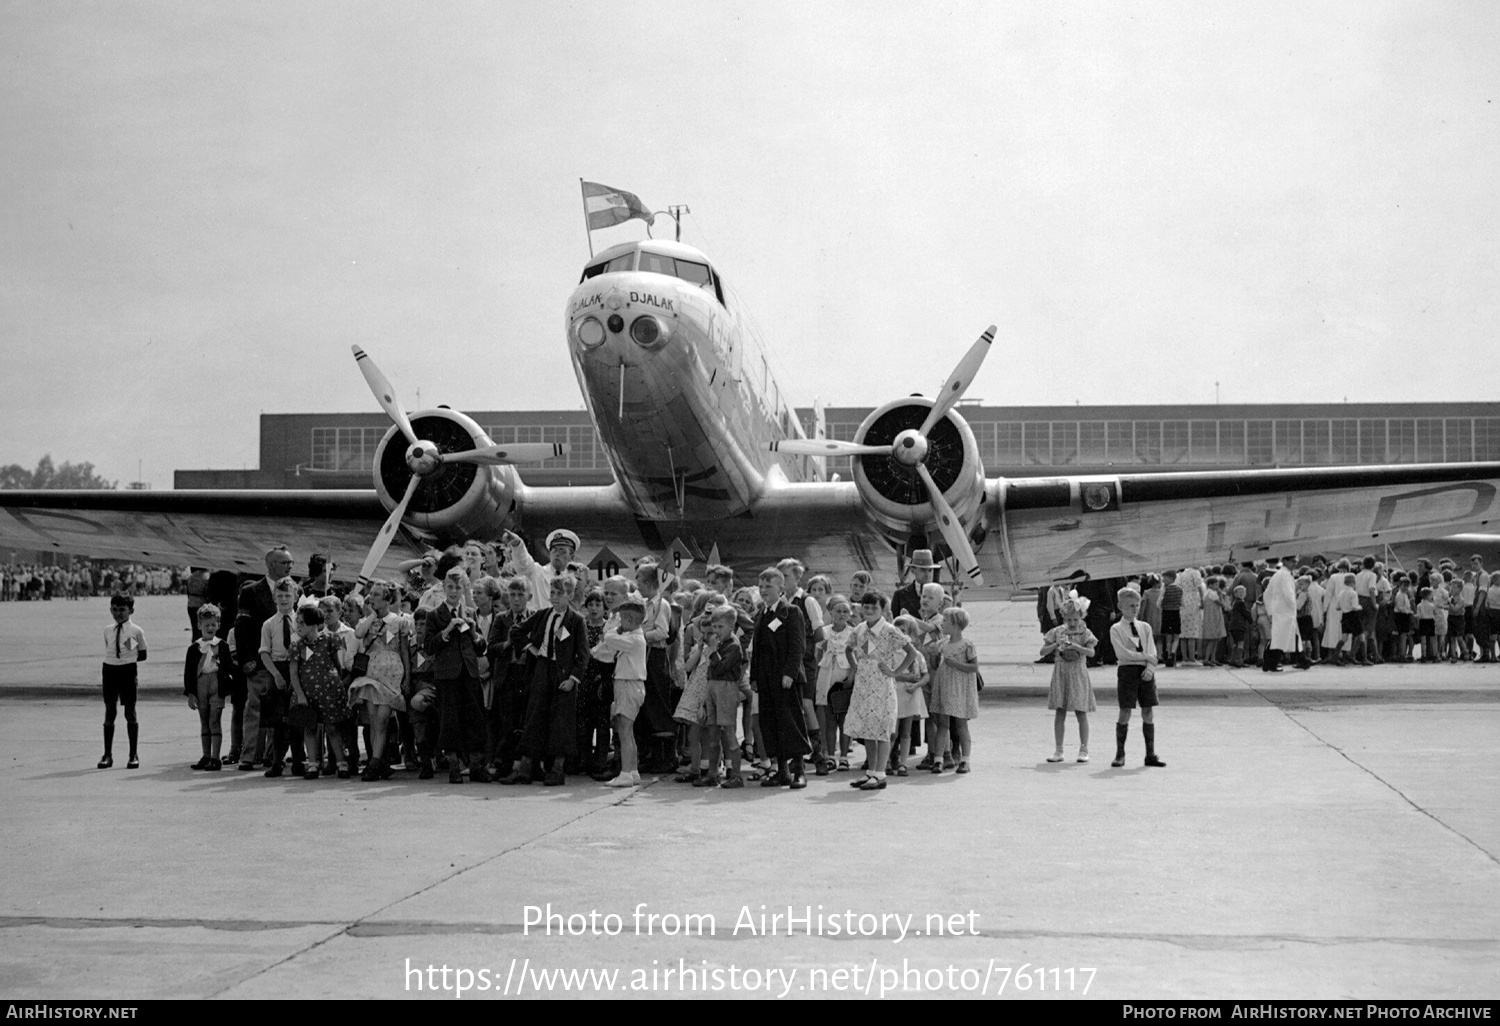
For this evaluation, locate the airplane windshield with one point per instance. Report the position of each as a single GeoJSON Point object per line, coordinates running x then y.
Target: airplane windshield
{"type": "Point", "coordinates": [624, 262]}
{"type": "Point", "coordinates": [687, 270]}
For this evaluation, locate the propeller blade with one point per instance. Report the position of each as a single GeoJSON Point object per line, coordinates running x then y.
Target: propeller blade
{"type": "Point", "coordinates": [826, 447]}
{"type": "Point", "coordinates": [959, 381]}
{"type": "Point", "coordinates": [385, 395]}
{"type": "Point", "coordinates": [952, 530]}
{"type": "Point", "coordinates": [499, 455]}
{"type": "Point", "coordinates": [387, 532]}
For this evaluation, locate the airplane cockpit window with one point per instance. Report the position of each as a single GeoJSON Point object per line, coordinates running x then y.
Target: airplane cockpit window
{"type": "Point", "coordinates": [624, 262]}
{"type": "Point", "coordinates": [687, 270]}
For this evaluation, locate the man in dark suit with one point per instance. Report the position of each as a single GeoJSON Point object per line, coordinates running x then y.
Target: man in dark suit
{"type": "Point", "coordinates": [908, 597]}
{"type": "Point", "coordinates": [450, 640]}
{"type": "Point", "coordinates": [776, 674]}
{"type": "Point", "coordinates": [256, 605]}
{"type": "Point", "coordinates": [557, 639]}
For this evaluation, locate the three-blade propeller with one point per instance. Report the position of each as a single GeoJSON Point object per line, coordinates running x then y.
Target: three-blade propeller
{"type": "Point", "coordinates": [909, 448]}
{"type": "Point", "coordinates": [424, 457]}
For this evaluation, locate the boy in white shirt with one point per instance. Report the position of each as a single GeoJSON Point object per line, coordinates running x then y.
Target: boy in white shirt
{"type": "Point", "coordinates": [124, 647]}
{"type": "Point", "coordinates": [1136, 675]}
{"type": "Point", "coordinates": [625, 646]}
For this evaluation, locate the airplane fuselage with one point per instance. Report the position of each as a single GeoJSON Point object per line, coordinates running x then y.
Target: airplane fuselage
{"type": "Point", "coordinates": [685, 406]}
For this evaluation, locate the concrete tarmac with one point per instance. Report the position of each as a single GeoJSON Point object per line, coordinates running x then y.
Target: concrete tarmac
{"type": "Point", "coordinates": [1328, 834]}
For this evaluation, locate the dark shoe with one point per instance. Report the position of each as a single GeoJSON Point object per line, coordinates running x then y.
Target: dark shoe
{"type": "Point", "coordinates": [372, 771]}
{"type": "Point", "coordinates": [232, 758]}
{"type": "Point", "coordinates": [948, 761]}
{"type": "Point", "coordinates": [214, 765]}
{"type": "Point", "coordinates": [426, 772]}
{"type": "Point", "coordinates": [516, 777]}
{"type": "Point", "coordinates": [706, 781]}
{"type": "Point", "coordinates": [299, 769]}
{"type": "Point", "coordinates": [201, 764]}
{"type": "Point", "coordinates": [312, 774]}
{"type": "Point", "coordinates": [798, 782]}
{"type": "Point", "coordinates": [1152, 760]}
{"type": "Point", "coordinates": [344, 773]}
{"type": "Point", "coordinates": [456, 773]}
{"type": "Point", "coordinates": [132, 763]}
{"type": "Point", "coordinates": [872, 784]}
{"type": "Point", "coordinates": [926, 764]}
{"type": "Point", "coordinates": [274, 771]}
{"type": "Point", "coordinates": [733, 782]}
{"type": "Point", "coordinates": [1119, 760]}
{"type": "Point", "coordinates": [823, 768]}
{"type": "Point", "coordinates": [685, 778]}
{"type": "Point", "coordinates": [106, 762]}
{"type": "Point", "coordinates": [480, 775]}
{"type": "Point", "coordinates": [772, 780]}
{"type": "Point", "coordinates": [244, 766]}
{"type": "Point", "coordinates": [555, 779]}
{"type": "Point", "coordinates": [861, 781]}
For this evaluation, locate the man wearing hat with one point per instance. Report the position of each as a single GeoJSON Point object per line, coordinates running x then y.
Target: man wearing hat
{"type": "Point", "coordinates": [561, 546]}
{"type": "Point", "coordinates": [908, 597]}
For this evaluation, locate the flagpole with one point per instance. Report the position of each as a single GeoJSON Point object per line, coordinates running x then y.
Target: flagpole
{"type": "Point", "coordinates": [586, 230]}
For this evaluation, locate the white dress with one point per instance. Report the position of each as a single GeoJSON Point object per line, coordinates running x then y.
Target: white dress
{"type": "Point", "coordinates": [872, 704]}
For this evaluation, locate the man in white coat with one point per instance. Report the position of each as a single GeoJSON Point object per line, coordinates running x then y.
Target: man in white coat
{"type": "Point", "coordinates": [1281, 606]}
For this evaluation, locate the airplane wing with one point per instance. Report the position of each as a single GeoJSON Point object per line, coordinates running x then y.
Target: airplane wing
{"type": "Point", "coordinates": [1059, 528]}
{"type": "Point", "coordinates": [218, 529]}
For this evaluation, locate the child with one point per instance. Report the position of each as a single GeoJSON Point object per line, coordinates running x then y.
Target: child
{"type": "Point", "coordinates": [1349, 621]}
{"type": "Point", "coordinates": [593, 710]}
{"type": "Point", "coordinates": [512, 681]}
{"type": "Point", "coordinates": [911, 703]}
{"type": "Point", "coordinates": [1171, 616]}
{"type": "Point", "coordinates": [1426, 627]}
{"type": "Point", "coordinates": [955, 689]}
{"type": "Point", "coordinates": [556, 638]}
{"type": "Point", "coordinates": [318, 685]}
{"type": "Point", "coordinates": [1213, 621]}
{"type": "Point", "coordinates": [124, 646]}
{"type": "Point", "coordinates": [1240, 622]}
{"type": "Point", "coordinates": [1401, 610]}
{"type": "Point", "coordinates": [450, 640]}
{"type": "Point", "coordinates": [384, 637]}
{"type": "Point", "coordinates": [1073, 644]}
{"type": "Point", "coordinates": [208, 676]}
{"type": "Point", "coordinates": [835, 677]}
{"type": "Point", "coordinates": [1305, 629]}
{"type": "Point", "coordinates": [625, 646]}
{"type": "Point", "coordinates": [1136, 675]}
{"type": "Point", "coordinates": [690, 709]}
{"type": "Point", "coordinates": [726, 680]}
{"type": "Point", "coordinates": [421, 702]}
{"type": "Point", "coordinates": [873, 646]}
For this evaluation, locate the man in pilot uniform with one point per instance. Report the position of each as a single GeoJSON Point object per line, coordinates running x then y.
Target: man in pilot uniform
{"type": "Point", "coordinates": [561, 545]}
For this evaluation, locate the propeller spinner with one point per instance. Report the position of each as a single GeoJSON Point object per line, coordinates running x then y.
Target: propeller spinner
{"type": "Point", "coordinates": [424, 458]}
{"type": "Point", "coordinates": [910, 449]}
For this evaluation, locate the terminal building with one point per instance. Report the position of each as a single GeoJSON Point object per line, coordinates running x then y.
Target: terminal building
{"type": "Point", "coordinates": [337, 450]}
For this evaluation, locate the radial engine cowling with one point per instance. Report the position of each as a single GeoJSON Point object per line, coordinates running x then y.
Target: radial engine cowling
{"type": "Point", "coordinates": [893, 495]}
{"type": "Point", "coordinates": [457, 500]}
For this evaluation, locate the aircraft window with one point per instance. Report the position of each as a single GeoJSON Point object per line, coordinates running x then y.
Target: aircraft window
{"type": "Point", "coordinates": [619, 263]}
{"type": "Point", "coordinates": [687, 270]}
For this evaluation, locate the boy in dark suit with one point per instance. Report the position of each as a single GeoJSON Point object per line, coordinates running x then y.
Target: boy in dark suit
{"type": "Point", "coordinates": [557, 639]}
{"type": "Point", "coordinates": [776, 674]}
{"type": "Point", "coordinates": [450, 640]}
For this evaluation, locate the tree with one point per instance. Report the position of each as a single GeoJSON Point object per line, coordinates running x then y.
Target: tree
{"type": "Point", "coordinates": [48, 475]}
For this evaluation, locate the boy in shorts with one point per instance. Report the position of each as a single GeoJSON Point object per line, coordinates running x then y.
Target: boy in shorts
{"type": "Point", "coordinates": [726, 671]}
{"type": "Point", "coordinates": [1136, 675]}
{"type": "Point", "coordinates": [626, 648]}
{"type": "Point", "coordinates": [124, 647]}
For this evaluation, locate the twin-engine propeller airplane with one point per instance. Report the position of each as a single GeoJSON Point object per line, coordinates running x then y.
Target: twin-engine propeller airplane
{"type": "Point", "coordinates": [705, 448]}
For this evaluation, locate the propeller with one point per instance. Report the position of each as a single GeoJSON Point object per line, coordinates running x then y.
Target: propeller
{"type": "Point", "coordinates": [909, 448]}
{"type": "Point", "coordinates": [423, 458]}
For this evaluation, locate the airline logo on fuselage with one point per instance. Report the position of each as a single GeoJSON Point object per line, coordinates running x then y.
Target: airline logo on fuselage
{"type": "Point", "coordinates": [583, 304]}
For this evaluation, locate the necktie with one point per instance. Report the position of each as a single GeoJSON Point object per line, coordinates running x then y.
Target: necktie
{"type": "Point", "coordinates": [118, 628]}
{"type": "Point", "coordinates": [286, 635]}
{"type": "Point", "coordinates": [552, 635]}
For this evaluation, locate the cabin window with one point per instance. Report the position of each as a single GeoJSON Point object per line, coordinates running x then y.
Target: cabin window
{"type": "Point", "coordinates": [623, 262]}
{"type": "Point", "coordinates": [687, 270]}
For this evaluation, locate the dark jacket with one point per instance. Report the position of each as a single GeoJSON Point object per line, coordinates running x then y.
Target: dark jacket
{"type": "Point", "coordinates": [727, 662]}
{"type": "Point", "coordinates": [907, 599]}
{"type": "Point", "coordinates": [231, 681]}
{"type": "Point", "coordinates": [778, 653]}
{"type": "Point", "coordinates": [456, 657]}
{"type": "Point", "coordinates": [256, 606]}
{"type": "Point", "coordinates": [497, 645]}
{"type": "Point", "coordinates": [570, 655]}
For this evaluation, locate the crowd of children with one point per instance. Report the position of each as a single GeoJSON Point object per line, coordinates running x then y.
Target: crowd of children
{"type": "Point", "coordinates": [497, 668]}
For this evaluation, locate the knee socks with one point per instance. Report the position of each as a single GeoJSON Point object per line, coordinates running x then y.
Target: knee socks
{"type": "Point", "coordinates": [1149, 731]}
{"type": "Point", "coordinates": [132, 731]}
{"type": "Point", "coordinates": [109, 738]}
{"type": "Point", "coordinates": [1121, 731]}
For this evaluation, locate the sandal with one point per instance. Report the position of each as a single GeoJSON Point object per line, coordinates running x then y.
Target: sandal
{"type": "Point", "coordinates": [901, 771]}
{"type": "Point", "coordinates": [843, 762]}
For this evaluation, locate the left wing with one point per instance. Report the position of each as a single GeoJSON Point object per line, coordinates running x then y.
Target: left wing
{"type": "Point", "coordinates": [1059, 528]}
{"type": "Point", "coordinates": [218, 529]}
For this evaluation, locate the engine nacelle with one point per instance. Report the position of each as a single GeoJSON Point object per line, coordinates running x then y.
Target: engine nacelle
{"type": "Point", "coordinates": [894, 497]}
{"type": "Point", "coordinates": [457, 500]}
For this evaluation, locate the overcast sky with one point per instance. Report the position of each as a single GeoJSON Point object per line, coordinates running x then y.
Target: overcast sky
{"type": "Point", "coordinates": [202, 205]}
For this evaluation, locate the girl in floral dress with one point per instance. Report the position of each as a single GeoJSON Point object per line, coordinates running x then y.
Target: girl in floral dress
{"type": "Point", "coordinates": [955, 689]}
{"type": "Point", "coordinates": [317, 681]}
{"type": "Point", "coordinates": [1072, 690]}
{"type": "Point", "coordinates": [691, 707]}
{"type": "Point", "coordinates": [872, 704]}
{"type": "Point", "coordinates": [384, 635]}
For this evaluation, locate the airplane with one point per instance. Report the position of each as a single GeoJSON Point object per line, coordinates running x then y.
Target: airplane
{"type": "Point", "coordinates": [707, 452]}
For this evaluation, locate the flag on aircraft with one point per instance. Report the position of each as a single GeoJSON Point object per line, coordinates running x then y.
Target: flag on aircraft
{"type": "Point", "coordinates": [605, 206]}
